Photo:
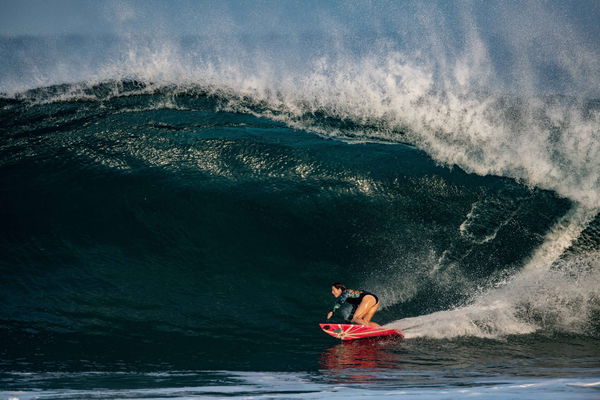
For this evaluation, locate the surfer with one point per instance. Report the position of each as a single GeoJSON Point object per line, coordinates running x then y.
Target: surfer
{"type": "Point", "coordinates": [364, 304]}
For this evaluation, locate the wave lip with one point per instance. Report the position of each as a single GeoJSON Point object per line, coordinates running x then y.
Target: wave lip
{"type": "Point", "coordinates": [547, 142]}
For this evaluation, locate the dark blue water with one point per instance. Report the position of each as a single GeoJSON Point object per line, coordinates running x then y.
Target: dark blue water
{"type": "Point", "coordinates": [177, 239]}
{"type": "Point", "coordinates": [149, 250]}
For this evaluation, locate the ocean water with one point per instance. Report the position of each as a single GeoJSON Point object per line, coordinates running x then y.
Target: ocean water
{"type": "Point", "coordinates": [172, 221]}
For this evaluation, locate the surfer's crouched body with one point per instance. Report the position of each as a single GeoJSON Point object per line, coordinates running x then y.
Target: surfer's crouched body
{"type": "Point", "coordinates": [364, 304]}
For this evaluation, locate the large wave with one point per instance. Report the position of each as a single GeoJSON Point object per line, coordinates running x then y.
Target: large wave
{"type": "Point", "coordinates": [529, 115]}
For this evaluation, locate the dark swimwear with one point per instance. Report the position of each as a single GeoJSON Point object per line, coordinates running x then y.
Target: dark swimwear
{"type": "Point", "coordinates": [354, 298]}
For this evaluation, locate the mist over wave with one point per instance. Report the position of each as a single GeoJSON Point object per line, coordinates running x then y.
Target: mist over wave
{"type": "Point", "coordinates": [550, 293]}
{"type": "Point", "coordinates": [450, 101]}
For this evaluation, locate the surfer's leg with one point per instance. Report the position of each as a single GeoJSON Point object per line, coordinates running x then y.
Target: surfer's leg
{"type": "Point", "coordinates": [365, 311]}
{"type": "Point", "coordinates": [370, 314]}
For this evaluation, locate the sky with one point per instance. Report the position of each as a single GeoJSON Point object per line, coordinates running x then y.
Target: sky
{"type": "Point", "coordinates": [185, 17]}
{"type": "Point", "coordinates": [33, 17]}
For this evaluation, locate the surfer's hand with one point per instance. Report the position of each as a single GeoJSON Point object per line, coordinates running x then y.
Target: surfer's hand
{"type": "Point", "coordinates": [329, 314]}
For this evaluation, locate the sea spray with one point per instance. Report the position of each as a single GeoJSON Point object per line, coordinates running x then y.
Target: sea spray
{"type": "Point", "coordinates": [549, 293]}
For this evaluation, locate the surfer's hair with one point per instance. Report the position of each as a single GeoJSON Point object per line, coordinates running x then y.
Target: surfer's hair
{"type": "Point", "coordinates": [339, 285]}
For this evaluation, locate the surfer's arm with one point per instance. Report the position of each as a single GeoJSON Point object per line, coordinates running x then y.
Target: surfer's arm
{"type": "Point", "coordinates": [339, 302]}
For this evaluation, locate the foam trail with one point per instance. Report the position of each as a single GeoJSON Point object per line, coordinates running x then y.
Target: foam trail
{"type": "Point", "coordinates": [547, 294]}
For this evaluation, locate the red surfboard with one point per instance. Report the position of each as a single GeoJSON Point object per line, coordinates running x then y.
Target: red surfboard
{"type": "Point", "coordinates": [352, 332]}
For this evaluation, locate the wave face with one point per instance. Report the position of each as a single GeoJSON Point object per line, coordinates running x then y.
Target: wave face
{"type": "Point", "coordinates": [188, 199]}
{"type": "Point", "coordinates": [154, 222]}
{"type": "Point", "coordinates": [453, 106]}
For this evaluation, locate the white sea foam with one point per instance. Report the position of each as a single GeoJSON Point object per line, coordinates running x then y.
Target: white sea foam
{"type": "Point", "coordinates": [550, 293]}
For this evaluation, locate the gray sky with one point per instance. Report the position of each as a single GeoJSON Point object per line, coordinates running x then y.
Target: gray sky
{"type": "Point", "coordinates": [35, 17]}
{"type": "Point", "coordinates": [43, 17]}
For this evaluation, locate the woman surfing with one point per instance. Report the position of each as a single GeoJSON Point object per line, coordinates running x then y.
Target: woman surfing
{"type": "Point", "coordinates": [364, 304]}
